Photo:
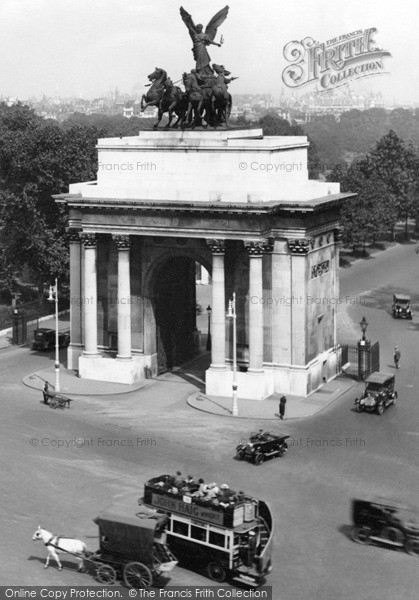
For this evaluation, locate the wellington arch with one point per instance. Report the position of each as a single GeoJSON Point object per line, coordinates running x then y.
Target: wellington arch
{"type": "Point", "coordinates": [240, 204]}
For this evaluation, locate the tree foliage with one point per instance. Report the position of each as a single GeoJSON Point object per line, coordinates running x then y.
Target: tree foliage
{"type": "Point", "coordinates": [38, 158]}
{"type": "Point", "coordinates": [386, 183]}
{"type": "Point", "coordinates": [356, 132]}
{"type": "Point", "coordinates": [272, 124]}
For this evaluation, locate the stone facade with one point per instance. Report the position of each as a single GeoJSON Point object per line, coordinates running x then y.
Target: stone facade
{"type": "Point", "coordinates": [227, 200]}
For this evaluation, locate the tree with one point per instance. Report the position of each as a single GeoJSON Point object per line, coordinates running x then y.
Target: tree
{"type": "Point", "coordinates": [272, 124]}
{"type": "Point", "coordinates": [38, 159]}
{"type": "Point", "coordinates": [396, 164]}
{"type": "Point", "coordinates": [367, 216]}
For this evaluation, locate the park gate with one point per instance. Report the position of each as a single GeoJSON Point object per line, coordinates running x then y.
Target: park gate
{"type": "Point", "coordinates": [361, 359]}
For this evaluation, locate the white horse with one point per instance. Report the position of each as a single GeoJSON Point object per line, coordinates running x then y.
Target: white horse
{"type": "Point", "coordinates": [55, 544]}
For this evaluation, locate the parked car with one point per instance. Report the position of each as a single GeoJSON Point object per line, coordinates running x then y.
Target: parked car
{"type": "Point", "coordinates": [388, 521]}
{"type": "Point", "coordinates": [262, 445]}
{"type": "Point", "coordinates": [401, 307]}
{"type": "Point", "coordinates": [379, 393]}
{"type": "Point", "coordinates": [44, 339]}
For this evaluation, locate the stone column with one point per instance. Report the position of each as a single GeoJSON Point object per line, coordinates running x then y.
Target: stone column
{"type": "Point", "coordinates": [218, 305]}
{"type": "Point", "coordinates": [75, 286]}
{"type": "Point", "coordinates": [255, 250]}
{"type": "Point", "coordinates": [299, 249]}
{"type": "Point", "coordinates": [90, 295]}
{"type": "Point", "coordinates": [124, 297]}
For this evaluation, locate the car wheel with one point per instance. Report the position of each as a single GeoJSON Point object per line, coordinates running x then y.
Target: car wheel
{"type": "Point", "coordinates": [283, 450]}
{"type": "Point", "coordinates": [239, 455]}
{"type": "Point", "coordinates": [393, 534]}
{"type": "Point", "coordinates": [216, 572]}
{"type": "Point", "coordinates": [380, 408]}
{"type": "Point", "coordinates": [358, 407]}
{"type": "Point", "coordinates": [258, 460]}
{"type": "Point", "coordinates": [361, 535]}
{"type": "Point", "coordinates": [412, 547]}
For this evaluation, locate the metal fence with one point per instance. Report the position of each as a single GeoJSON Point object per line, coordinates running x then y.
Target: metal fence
{"type": "Point", "coordinates": [359, 360]}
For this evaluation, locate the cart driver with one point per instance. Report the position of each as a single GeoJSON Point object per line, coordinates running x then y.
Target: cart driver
{"type": "Point", "coordinates": [45, 392]}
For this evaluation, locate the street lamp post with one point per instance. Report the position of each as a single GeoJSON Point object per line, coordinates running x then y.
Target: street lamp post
{"type": "Point", "coordinates": [209, 311]}
{"type": "Point", "coordinates": [232, 315]}
{"type": "Point", "coordinates": [53, 296]}
{"type": "Point", "coordinates": [363, 348]}
{"type": "Point", "coordinates": [364, 325]}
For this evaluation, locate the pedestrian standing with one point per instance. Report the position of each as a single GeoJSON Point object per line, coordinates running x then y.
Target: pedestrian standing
{"type": "Point", "coordinates": [397, 357]}
{"type": "Point", "coordinates": [282, 403]}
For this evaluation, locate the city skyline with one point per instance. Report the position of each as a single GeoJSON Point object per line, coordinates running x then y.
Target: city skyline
{"type": "Point", "coordinates": [79, 49]}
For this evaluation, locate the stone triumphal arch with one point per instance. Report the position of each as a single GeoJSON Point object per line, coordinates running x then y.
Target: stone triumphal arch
{"type": "Point", "coordinates": [241, 205]}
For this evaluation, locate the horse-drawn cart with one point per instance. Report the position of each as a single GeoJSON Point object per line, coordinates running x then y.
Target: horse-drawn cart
{"type": "Point", "coordinates": [56, 400]}
{"type": "Point", "coordinates": [132, 549]}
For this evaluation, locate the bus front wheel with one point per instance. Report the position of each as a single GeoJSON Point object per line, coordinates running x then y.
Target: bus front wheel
{"type": "Point", "coordinates": [216, 572]}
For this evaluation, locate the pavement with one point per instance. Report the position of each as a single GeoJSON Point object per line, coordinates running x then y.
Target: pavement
{"type": "Point", "coordinates": [297, 406]}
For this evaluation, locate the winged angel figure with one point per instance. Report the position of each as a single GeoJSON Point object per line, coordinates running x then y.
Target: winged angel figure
{"type": "Point", "coordinates": [203, 39]}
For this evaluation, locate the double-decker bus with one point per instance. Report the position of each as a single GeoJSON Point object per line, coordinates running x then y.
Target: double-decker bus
{"type": "Point", "coordinates": [231, 538]}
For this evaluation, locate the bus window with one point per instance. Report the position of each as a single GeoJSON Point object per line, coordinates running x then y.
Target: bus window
{"type": "Point", "coordinates": [198, 533]}
{"type": "Point", "coordinates": [217, 539]}
{"type": "Point", "coordinates": [180, 527]}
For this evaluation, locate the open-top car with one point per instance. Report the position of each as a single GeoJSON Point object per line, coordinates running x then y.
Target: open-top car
{"type": "Point", "coordinates": [379, 393]}
{"type": "Point", "coordinates": [388, 521]}
{"type": "Point", "coordinates": [262, 445]}
{"type": "Point", "coordinates": [402, 307]}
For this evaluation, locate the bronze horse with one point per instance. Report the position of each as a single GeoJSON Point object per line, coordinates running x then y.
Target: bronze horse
{"type": "Point", "coordinates": [154, 95]}
{"type": "Point", "coordinates": [174, 102]}
{"type": "Point", "coordinates": [195, 98]}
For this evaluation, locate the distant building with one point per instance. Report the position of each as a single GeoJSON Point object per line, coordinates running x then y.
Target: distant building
{"type": "Point", "coordinates": [128, 112]}
{"type": "Point", "coordinates": [332, 102]}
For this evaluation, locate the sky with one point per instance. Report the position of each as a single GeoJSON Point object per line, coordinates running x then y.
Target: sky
{"type": "Point", "coordinates": [87, 48]}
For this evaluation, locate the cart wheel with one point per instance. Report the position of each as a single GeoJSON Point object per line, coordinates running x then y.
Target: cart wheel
{"type": "Point", "coordinates": [412, 547]}
{"type": "Point", "coordinates": [216, 572]}
{"type": "Point", "coordinates": [137, 575]}
{"type": "Point", "coordinates": [361, 535]}
{"type": "Point", "coordinates": [106, 574]}
{"type": "Point", "coordinates": [258, 460]}
{"type": "Point", "coordinates": [380, 409]}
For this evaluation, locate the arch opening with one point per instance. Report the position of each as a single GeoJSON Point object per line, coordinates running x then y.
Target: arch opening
{"type": "Point", "coordinates": [181, 294]}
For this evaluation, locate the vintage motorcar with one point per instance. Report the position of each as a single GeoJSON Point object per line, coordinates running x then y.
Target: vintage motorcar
{"type": "Point", "coordinates": [262, 445]}
{"type": "Point", "coordinates": [44, 339]}
{"type": "Point", "coordinates": [401, 307]}
{"type": "Point", "coordinates": [388, 521]}
{"type": "Point", "coordinates": [379, 393]}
